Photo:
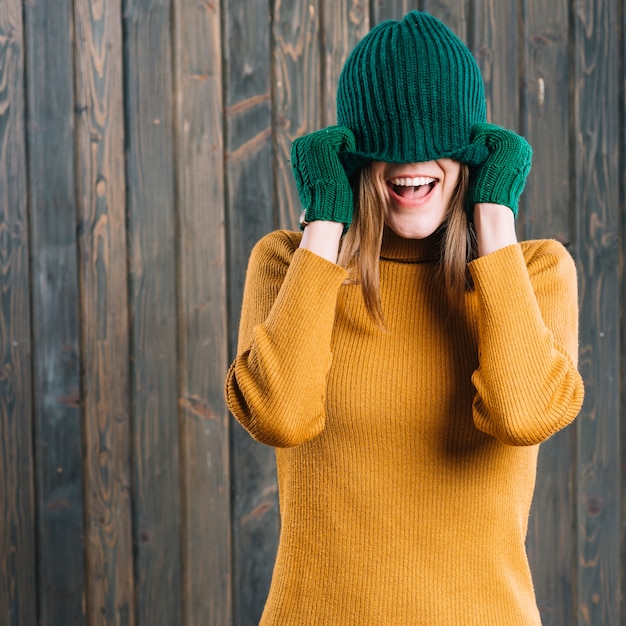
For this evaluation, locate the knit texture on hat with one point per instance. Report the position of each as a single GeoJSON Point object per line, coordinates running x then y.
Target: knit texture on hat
{"type": "Point", "coordinates": [411, 91]}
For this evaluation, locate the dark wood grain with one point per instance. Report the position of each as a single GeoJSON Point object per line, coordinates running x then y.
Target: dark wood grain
{"type": "Point", "coordinates": [453, 14]}
{"type": "Point", "coordinates": [392, 9]}
{"type": "Point", "coordinates": [206, 542]}
{"type": "Point", "coordinates": [622, 199]}
{"type": "Point", "coordinates": [152, 300]}
{"type": "Point", "coordinates": [596, 191]}
{"type": "Point", "coordinates": [250, 207]}
{"type": "Point", "coordinates": [493, 33]}
{"type": "Point", "coordinates": [55, 316]}
{"type": "Point", "coordinates": [297, 74]}
{"type": "Point", "coordinates": [546, 111]}
{"type": "Point", "coordinates": [551, 541]}
{"type": "Point", "coordinates": [18, 587]}
{"type": "Point", "coordinates": [345, 23]}
{"type": "Point", "coordinates": [546, 211]}
{"type": "Point", "coordinates": [104, 312]}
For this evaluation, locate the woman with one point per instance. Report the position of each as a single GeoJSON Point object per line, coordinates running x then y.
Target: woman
{"type": "Point", "coordinates": [405, 355]}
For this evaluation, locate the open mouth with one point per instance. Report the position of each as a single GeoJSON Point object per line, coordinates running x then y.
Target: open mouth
{"type": "Point", "coordinates": [411, 189]}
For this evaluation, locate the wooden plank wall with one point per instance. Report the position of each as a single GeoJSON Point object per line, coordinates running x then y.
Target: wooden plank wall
{"type": "Point", "coordinates": [144, 148]}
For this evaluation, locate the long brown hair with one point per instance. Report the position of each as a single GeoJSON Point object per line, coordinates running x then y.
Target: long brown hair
{"type": "Point", "coordinates": [360, 247]}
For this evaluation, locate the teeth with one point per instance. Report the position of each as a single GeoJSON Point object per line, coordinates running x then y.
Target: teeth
{"type": "Point", "coordinates": [418, 181]}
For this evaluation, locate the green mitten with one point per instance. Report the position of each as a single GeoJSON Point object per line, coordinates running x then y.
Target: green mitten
{"type": "Point", "coordinates": [501, 178]}
{"type": "Point", "coordinates": [321, 180]}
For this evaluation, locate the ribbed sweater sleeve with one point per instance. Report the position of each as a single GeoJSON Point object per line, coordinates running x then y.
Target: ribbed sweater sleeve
{"type": "Point", "coordinates": [276, 386]}
{"type": "Point", "coordinates": [528, 386]}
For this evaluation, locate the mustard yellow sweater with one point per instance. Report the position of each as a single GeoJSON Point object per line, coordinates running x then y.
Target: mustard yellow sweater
{"type": "Point", "coordinates": [406, 459]}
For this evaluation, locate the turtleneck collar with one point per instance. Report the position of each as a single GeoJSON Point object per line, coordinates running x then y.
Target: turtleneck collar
{"type": "Point", "coordinates": [396, 248]}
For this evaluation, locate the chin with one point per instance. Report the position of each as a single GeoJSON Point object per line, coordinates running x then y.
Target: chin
{"type": "Point", "coordinates": [412, 231]}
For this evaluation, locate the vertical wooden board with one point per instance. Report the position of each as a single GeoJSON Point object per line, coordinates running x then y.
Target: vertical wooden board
{"type": "Point", "coordinates": [296, 75]}
{"type": "Point", "coordinates": [392, 9]}
{"type": "Point", "coordinates": [596, 184]}
{"type": "Point", "coordinates": [152, 300]}
{"type": "Point", "coordinates": [206, 543]}
{"type": "Point", "coordinates": [546, 112]}
{"type": "Point", "coordinates": [493, 32]}
{"type": "Point", "coordinates": [104, 312]}
{"type": "Point", "coordinates": [494, 36]}
{"type": "Point", "coordinates": [622, 204]}
{"type": "Point", "coordinates": [250, 207]}
{"type": "Point", "coordinates": [18, 590]}
{"type": "Point", "coordinates": [545, 212]}
{"type": "Point", "coordinates": [56, 330]}
{"type": "Point", "coordinates": [344, 25]}
{"type": "Point", "coordinates": [551, 540]}
{"type": "Point", "coordinates": [453, 14]}
{"type": "Point", "coordinates": [250, 195]}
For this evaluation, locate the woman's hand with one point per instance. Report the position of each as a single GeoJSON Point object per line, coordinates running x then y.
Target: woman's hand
{"type": "Point", "coordinates": [501, 178]}
{"type": "Point", "coordinates": [323, 187]}
{"type": "Point", "coordinates": [323, 238]}
{"type": "Point", "coordinates": [496, 185]}
{"type": "Point", "coordinates": [495, 227]}
{"type": "Point", "coordinates": [321, 180]}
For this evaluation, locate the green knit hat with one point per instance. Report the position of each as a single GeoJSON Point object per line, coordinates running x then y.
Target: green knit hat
{"type": "Point", "coordinates": [411, 91]}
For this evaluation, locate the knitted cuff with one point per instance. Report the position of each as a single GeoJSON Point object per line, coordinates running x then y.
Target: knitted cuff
{"type": "Point", "coordinates": [502, 177]}
{"type": "Point", "coordinates": [330, 202]}
{"type": "Point", "coordinates": [321, 180]}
